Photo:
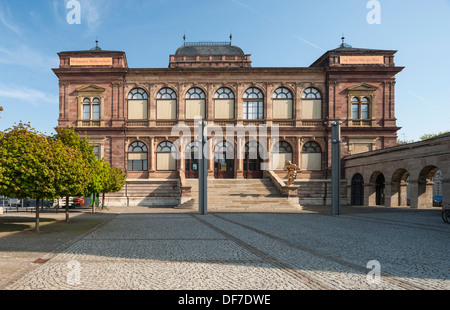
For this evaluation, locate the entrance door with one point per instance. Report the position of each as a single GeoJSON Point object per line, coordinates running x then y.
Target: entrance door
{"type": "Point", "coordinates": [252, 161]}
{"type": "Point", "coordinates": [224, 161]}
{"type": "Point", "coordinates": [192, 162]}
{"type": "Point", "coordinates": [357, 190]}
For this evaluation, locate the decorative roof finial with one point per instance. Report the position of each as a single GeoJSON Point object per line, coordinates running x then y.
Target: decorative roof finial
{"type": "Point", "coordinates": [343, 45]}
{"type": "Point", "coordinates": [184, 38]}
{"type": "Point", "coordinates": [231, 37]}
{"type": "Point", "coordinates": [96, 47]}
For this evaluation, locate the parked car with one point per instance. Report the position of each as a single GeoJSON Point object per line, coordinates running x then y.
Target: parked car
{"type": "Point", "coordinates": [437, 201]}
{"type": "Point", "coordinates": [26, 202]}
{"type": "Point", "coordinates": [13, 201]}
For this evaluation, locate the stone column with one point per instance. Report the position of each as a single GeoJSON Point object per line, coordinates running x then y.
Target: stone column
{"type": "Point", "coordinates": [414, 194]}
{"type": "Point", "coordinates": [239, 157]}
{"type": "Point", "coordinates": [446, 193]}
{"type": "Point", "coordinates": [370, 195]}
{"type": "Point", "coordinates": [152, 153]}
{"type": "Point", "coordinates": [388, 195]}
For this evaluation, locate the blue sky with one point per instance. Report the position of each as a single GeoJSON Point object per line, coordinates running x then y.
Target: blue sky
{"type": "Point", "coordinates": [283, 33]}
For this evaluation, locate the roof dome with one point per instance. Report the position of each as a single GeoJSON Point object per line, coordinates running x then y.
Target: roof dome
{"type": "Point", "coordinates": [209, 48]}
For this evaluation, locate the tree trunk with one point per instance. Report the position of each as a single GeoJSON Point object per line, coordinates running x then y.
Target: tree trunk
{"type": "Point", "coordinates": [67, 209]}
{"type": "Point", "coordinates": [37, 215]}
{"type": "Point", "coordinates": [103, 200]}
{"type": "Point", "coordinates": [93, 203]}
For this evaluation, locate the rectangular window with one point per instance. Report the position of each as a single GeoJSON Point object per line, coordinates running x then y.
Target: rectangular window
{"type": "Point", "coordinates": [224, 109]}
{"type": "Point", "coordinates": [96, 112]}
{"type": "Point", "coordinates": [166, 109]}
{"type": "Point", "coordinates": [96, 151]}
{"type": "Point", "coordinates": [253, 110]}
{"type": "Point", "coordinates": [165, 162]}
{"type": "Point", "coordinates": [279, 160]}
{"type": "Point", "coordinates": [195, 108]}
{"type": "Point", "coordinates": [312, 109]}
{"type": "Point", "coordinates": [282, 109]}
{"type": "Point", "coordinates": [312, 161]}
{"type": "Point", "coordinates": [365, 111]}
{"type": "Point", "coordinates": [137, 109]}
{"type": "Point", "coordinates": [355, 111]}
{"type": "Point", "coordinates": [86, 112]}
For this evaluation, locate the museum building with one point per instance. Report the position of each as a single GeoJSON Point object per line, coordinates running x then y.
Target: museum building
{"type": "Point", "coordinates": [131, 115]}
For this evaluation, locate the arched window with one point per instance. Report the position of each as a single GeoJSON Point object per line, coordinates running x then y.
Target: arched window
{"type": "Point", "coordinates": [192, 156]}
{"type": "Point", "coordinates": [311, 104]}
{"type": "Point", "coordinates": [137, 157]}
{"type": "Point", "coordinates": [166, 104]}
{"type": "Point", "coordinates": [195, 103]}
{"type": "Point", "coordinates": [138, 104]}
{"type": "Point", "coordinates": [253, 104]}
{"type": "Point", "coordinates": [224, 160]}
{"type": "Point", "coordinates": [282, 103]}
{"type": "Point", "coordinates": [281, 153]}
{"type": "Point", "coordinates": [311, 157]}
{"type": "Point", "coordinates": [91, 109]}
{"type": "Point", "coordinates": [360, 108]}
{"type": "Point", "coordinates": [165, 157]}
{"type": "Point", "coordinates": [137, 94]}
{"type": "Point", "coordinates": [224, 104]}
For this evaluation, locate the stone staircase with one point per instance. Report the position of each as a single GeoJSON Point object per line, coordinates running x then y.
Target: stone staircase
{"type": "Point", "coordinates": [258, 195]}
{"type": "Point", "coordinates": [147, 193]}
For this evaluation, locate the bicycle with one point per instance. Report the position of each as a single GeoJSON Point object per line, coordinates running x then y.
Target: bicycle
{"type": "Point", "coordinates": [445, 213]}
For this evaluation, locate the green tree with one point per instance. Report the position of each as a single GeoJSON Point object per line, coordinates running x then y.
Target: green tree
{"type": "Point", "coordinates": [432, 135]}
{"type": "Point", "coordinates": [83, 170]}
{"type": "Point", "coordinates": [29, 164]}
{"type": "Point", "coordinates": [114, 182]}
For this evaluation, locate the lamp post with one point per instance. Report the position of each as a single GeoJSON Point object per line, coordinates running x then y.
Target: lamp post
{"type": "Point", "coordinates": [335, 167]}
{"type": "Point", "coordinates": [203, 170]}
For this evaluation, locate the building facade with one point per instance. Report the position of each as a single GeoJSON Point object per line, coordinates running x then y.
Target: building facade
{"type": "Point", "coordinates": [138, 117]}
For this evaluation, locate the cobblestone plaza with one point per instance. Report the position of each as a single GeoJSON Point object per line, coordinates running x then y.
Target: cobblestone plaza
{"type": "Point", "coordinates": [178, 250]}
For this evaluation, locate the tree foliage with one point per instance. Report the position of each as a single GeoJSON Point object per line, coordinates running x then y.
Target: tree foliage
{"type": "Point", "coordinates": [30, 164]}
{"type": "Point", "coordinates": [41, 167]}
{"type": "Point", "coordinates": [432, 135]}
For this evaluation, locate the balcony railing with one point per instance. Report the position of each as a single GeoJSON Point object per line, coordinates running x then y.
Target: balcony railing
{"type": "Point", "coordinates": [361, 123]}
{"type": "Point", "coordinates": [90, 123]}
{"type": "Point", "coordinates": [137, 123]}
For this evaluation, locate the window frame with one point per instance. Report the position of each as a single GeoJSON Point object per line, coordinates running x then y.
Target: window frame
{"type": "Point", "coordinates": [132, 150]}
{"type": "Point", "coordinates": [283, 93]}
{"type": "Point", "coordinates": [91, 103]}
{"type": "Point", "coordinates": [166, 94]}
{"type": "Point", "coordinates": [313, 94]}
{"type": "Point", "coordinates": [360, 102]}
{"type": "Point", "coordinates": [253, 96]}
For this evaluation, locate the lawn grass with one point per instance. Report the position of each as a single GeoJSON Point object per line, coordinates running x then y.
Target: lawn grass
{"type": "Point", "coordinates": [76, 225]}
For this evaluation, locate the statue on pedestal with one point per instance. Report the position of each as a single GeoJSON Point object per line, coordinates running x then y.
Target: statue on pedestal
{"type": "Point", "coordinates": [292, 172]}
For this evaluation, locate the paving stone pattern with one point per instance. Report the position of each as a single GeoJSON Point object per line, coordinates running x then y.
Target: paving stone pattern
{"type": "Point", "coordinates": [252, 251]}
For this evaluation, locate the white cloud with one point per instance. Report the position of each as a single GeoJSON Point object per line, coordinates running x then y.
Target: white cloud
{"type": "Point", "coordinates": [24, 55]}
{"type": "Point", "coordinates": [12, 94]}
{"type": "Point", "coordinates": [309, 43]}
{"type": "Point", "coordinates": [4, 20]}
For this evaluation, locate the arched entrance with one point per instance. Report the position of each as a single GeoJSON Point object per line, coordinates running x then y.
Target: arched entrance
{"type": "Point", "coordinates": [425, 186]}
{"type": "Point", "coordinates": [224, 161]}
{"type": "Point", "coordinates": [252, 161]}
{"type": "Point", "coordinates": [377, 189]}
{"type": "Point", "coordinates": [357, 191]}
{"type": "Point", "coordinates": [400, 188]}
{"type": "Point", "coordinates": [192, 160]}
{"type": "Point", "coordinates": [380, 188]}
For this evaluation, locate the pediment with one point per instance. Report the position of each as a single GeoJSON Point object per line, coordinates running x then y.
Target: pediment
{"type": "Point", "coordinates": [363, 87]}
{"type": "Point", "coordinates": [91, 89]}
